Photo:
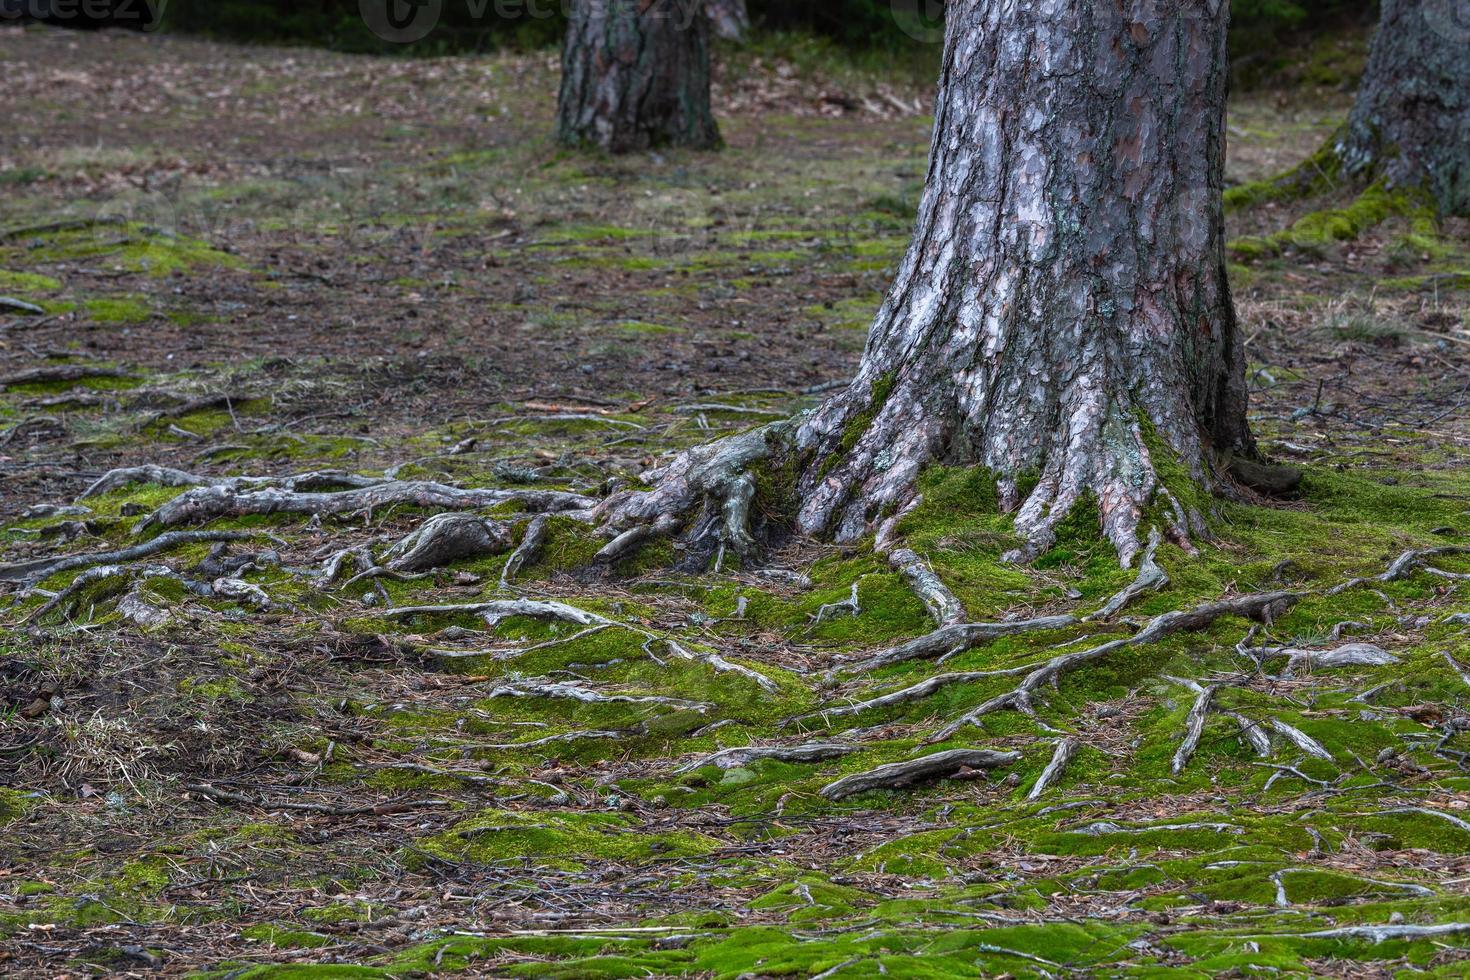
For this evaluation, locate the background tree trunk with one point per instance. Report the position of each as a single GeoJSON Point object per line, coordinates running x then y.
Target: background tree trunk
{"type": "Point", "coordinates": [729, 18]}
{"type": "Point", "coordinates": [1411, 122]}
{"type": "Point", "coordinates": [1065, 290]}
{"type": "Point", "coordinates": [635, 75]}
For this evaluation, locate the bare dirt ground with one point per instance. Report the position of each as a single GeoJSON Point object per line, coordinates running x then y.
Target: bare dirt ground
{"type": "Point", "coordinates": [268, 262]}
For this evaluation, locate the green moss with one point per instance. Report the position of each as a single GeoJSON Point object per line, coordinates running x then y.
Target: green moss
{"type": "Point", "coordinates": [284, 937]}
{"type": "Point", "coordinates": [638, 328]}
{"type": "Point", "coordinates": [133, 247]}
{"type": "Point", "coordinates": [118, 310]}
{"type": "Point", "coordinates": [1316, 231]}
{"type": "Point", "coordinates": [1315, 175]}
{"type": "Point", "coordinates": [26, 282]}
{"type": "Point", "coordinates": [13, 805]}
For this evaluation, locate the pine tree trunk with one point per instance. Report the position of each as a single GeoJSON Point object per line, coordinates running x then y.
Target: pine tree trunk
{"type": "Point", "coordinates": [1411, 122]}
{"type": "Point", "coordinates": [635, 75]}
{"type": "Point", "coordinates": [729, 18]}
{"type": "Point", "coordinates": [1062, 314]}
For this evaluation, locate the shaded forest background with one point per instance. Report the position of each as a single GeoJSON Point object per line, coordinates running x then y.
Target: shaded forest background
{"type": "Point", "coordinates": [1269, 38]}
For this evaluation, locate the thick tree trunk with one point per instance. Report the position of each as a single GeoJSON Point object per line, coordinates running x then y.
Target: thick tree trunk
{"type": "Point", "coordinates": [635, 75]}
{"type": "Point", "coordinates": [729, 18]}
{"type": "Point", "coordinates": [1411, 122]}
{"type": "Point", "coordinates": [1062, 313]}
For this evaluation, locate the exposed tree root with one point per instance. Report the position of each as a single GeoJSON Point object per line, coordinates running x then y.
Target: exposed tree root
{"type": "Point", "coordinates": [20, 306]}
{"type": "Point", "coordinates": [956, 639]}
{"type": "Point", "coordinates": [1463, 674]}
{"type": "Point", "coordinates": [1253, 733]}
{"type": "Point", "coordinates": [940, 765]}
{"type": "Point", "coordinates": [60, 372]}
{"type": "Point", "coordinates": [1066, 748]}
{"type": "Point", "coordinates": [447, 538]}
{"type": "Point", "coordinates": [497, 609]}
{"type": "Point", "coordinates": [558, 739]}
{"type": "Point", "coordinates": [631, 540]}
{"type": "Point", "coordinates": [210, 502]}
{"type": "Point", "coordinates": [743, 756]}
{"type": "Point", "coordinates": [1348, 655]}
{"type": "Point", "coordinates": [527, 550]}
{"type": "Point", "coordinates": [557, 689]}
{"type": "Point", "coordinates": [915, 692]}
{"type": "Point", "coordinates": [944, 607]}
{"type": "Point", "coordinates": [715, 479]}
{"type": "Point", "coordinates": [1300, 739]}
{"type": "Point", "coordinates": [720, 665]}
{"type": "Point", "coordinates": [1151, 578]}
{"type": "Point", "coordinates": [1194, 724]}
{"type": "Point", "coordinates": [30, 572]}
{"type": "Point", "coordinates": [63, 600]}
{"type": "Point", "coordinates": [166, 476]}
{"type": "Point", "coordinates": [1380, 934]}
{"type": "Point", "coordinates": [1401, 566]}
{"type": "Point", "coordinates": [380, 809]}
{"type": "Point", "coordinates": [1450, 818]}
{"type": "Point", "coordinates": [848, 606]}
{"type": "Point", "coordinates": [1259, 606]}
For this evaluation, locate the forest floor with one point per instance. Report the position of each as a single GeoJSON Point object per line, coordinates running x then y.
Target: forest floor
{"type": "Point", "coordinates": [217, 760]}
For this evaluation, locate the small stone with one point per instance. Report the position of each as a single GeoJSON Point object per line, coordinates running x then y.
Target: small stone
{"type": "Point", "coordinates": [1387, 754]}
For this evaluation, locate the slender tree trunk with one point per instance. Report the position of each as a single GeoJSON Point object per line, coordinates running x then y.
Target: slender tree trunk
{"type": "Point", "coordinates": [635, 75]}
{"type": "Point", "coordinates": [1062, 314]}
{"type": "Point", "coordinates": [1411, 122]}
{"type": "Point", "coordinates": [729, 18]}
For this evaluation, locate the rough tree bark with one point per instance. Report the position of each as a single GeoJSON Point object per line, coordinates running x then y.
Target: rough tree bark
{"type": "Point", "coordinates": [1411, 121]}
{"type": "Point", "coordinates": [635, 75]}
{"type": "Point", "coordinates": [730, 19]}
{"type": "Point", "coordinates": [1062, 312]}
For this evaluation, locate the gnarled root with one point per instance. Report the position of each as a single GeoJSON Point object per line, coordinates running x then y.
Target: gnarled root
{"type": "Point", "coordinates": [447, 538]}
{"type": "Point", "coordinates": [712, 484]}
{"type": "Point", "coordinates": [497, 609]}
{"type": "Point", "coordinates": [869, 445]}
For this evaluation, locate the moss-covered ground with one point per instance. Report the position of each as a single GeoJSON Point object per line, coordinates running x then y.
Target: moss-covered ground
{"type": "Point", "coordinates": [317, 789]}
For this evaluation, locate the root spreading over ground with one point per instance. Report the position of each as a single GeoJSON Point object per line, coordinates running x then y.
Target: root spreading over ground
{"type": "Point", "coordinates": [294, 673]}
